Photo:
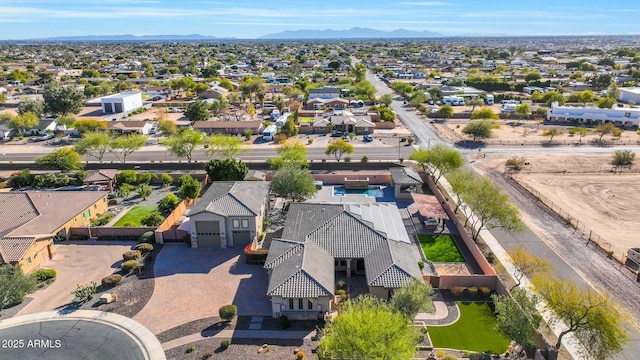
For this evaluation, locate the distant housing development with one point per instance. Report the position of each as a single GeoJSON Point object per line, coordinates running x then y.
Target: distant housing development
{"type": "Point", "coordinates": [627, 117]}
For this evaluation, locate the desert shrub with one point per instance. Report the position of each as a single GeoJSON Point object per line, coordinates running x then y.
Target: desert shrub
{"type": "Point", "coordinates": [23, 178]}
{"type": "Point", "coordinates": [472, 290]}
{"type": "Point", "coordinates": [457, 290]}
{"type": "Point", "coordinates": [166, 179]}
{"type": "Point", "coordinates": [347, 159]}
{"type": "Point", "coordinates": [79, 177]}
{"type": "Point", "coordinates": [190, 349]}
{"type": "Point", "coordinates": [152, 219]}
{"type": "Point", "coordinates": [228, 312]}
{"type": "Point", "coordinates": [128, 266]}
{"type": "Point", "coordinates": [131, 255]}
{"type": "Point", "coordinates": [450, 357]}
{"type": "Point", "coordinates": [149, 237]}
{"type": "Point", "coordinates": [485, 290]}
{"type": "Point", "coordinates": [168, 203]}
{"type": "Point", "coordinates": [126, 177]}
{"type": "Point", "coordinates": [144, 248]}
{"type": "Point", "coordinates": [111, 280]}
{"type": "Point", "coordinates": [299, 355]}
{"type": "Point", "coordinates": [364, 159]}
{"type": "Point", "coordinates": [44, 274]}
{"type": "Point", "coordinates": [85, 292]}
{"type": "Point", "coordinates": [147, 178]}
{"type": "Point", "coordinates": [284, 322]}
{"type": "Point", "coordinates": [258, 256]}
{"type": "Point", "coordinates": [421, 265]}
{"type": "Point", "coordinates": [112, 202]}
{"type": "Point", "coordinates": [224, 344]}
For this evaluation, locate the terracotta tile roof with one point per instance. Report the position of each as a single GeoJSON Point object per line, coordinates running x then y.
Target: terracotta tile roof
{"type": "Point", "coordinates": [16, 209]}
{"type": "Point", "coordinates": [42, 212]}
{"type": "Point", "coordinates": [101, 175]}
{"type": "Point", "coordinates": [227, 124]}
{"type": "Point", "coordinates": [12, 249]}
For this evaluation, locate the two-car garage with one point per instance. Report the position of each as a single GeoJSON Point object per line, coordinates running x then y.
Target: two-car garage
{"type": "Point", "coordinates": [210, 235]}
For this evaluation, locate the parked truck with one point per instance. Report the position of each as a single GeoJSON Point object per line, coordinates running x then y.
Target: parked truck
{"type": "Point", "coordinates": [489, 99]}
{"type": "Point", "coordinates": [269, 132]}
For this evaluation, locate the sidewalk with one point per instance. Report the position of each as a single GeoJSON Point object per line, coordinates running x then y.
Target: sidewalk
{"type": "Point", "coordinates": [570, 342]}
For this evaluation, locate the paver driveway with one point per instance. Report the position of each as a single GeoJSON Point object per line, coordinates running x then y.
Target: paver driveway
{"type": "Point", "coordinates": [76, 262]}
{"type": "Point", "coordinates": [192, 284]}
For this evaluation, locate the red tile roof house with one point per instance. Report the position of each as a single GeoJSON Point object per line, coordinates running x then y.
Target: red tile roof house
{"type": "Point", "coordinates": [29, 222]}
{"type": "Point", "coordinates": [228, 127]}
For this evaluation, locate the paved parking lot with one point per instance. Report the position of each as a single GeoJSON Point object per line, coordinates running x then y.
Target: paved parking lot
{"type": "Point", "coordinates": [192, 284]}
{"type": "Point", "coordinates": [76, 262]}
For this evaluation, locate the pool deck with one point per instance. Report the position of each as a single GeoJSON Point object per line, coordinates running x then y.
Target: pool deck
{"type": "Point", "coordinates": [326, 195]}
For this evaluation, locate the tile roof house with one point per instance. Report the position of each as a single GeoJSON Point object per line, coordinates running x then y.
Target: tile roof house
{"type": "Point", "coordinates": [346, 124]}
{"type": "Point", "coordinates": [319, 240]}
{"type": "Point", "coordinates": [229, 214]}
{"type": "Point", "coordinates": [228, 127]}
{"type": "Point", "coordinates": [131, 126]}
{"type": "Point", "coordinates": [31, 220]}
{"type": "Point", "coordinates": [404, 180]}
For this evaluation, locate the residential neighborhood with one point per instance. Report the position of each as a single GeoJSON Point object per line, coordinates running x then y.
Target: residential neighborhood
{"type": "Point", "coordinates": [448, 198]}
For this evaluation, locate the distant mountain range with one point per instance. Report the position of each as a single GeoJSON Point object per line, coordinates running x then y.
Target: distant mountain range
{"type": "Point", "coordinates": [353, 33]}
{"type": "Point", "coordinates": [129, 37]}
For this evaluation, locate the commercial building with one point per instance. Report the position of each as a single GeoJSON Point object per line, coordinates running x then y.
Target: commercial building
{"type": "Point", "coordinates": [121, 103]}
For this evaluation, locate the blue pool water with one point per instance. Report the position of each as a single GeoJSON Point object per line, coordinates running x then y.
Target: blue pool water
{"type": "Point", "coordinates": [372, 191]}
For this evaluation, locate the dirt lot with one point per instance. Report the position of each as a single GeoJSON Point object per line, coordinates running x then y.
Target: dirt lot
{"type": "Point", "coordinates": [528, 132]}
{"type": "Point", "coordinates": [585, 188]}
{"type": "Point", "coordinates": [593, 266]}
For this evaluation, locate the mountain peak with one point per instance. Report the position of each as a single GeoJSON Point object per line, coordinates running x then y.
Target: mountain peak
{"type": "Point", "coordinates": [353, 33]}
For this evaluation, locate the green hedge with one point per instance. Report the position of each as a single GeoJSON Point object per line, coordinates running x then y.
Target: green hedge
{"type": "Point", "coordinates": [228, 312]}
{"type": "Point", "coordinates": [131, 255]}
{"type": "Point", "coordinates": [149, 237]}
{"type": "Point", "coordinates": [111, 280]}
{"type": "Point", "coordinates": [144, 248]}
{"type": "Point", "coordinates": [45, 274]}
{"type": "Point", "coordinates": [128, 266]}
{"type": "Point", "coordinates": [258, 256]}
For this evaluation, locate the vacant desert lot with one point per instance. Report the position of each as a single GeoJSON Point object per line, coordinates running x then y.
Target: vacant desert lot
{"type": "Point", "coordinates": [608, 204]}
{"type": "Point", "coordinates": [605, 203]}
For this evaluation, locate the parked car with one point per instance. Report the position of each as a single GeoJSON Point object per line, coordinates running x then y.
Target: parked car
{"type": "Point", "coordinates": [367, 138]}
{"type": "Point", "coordinates": [336, 134]}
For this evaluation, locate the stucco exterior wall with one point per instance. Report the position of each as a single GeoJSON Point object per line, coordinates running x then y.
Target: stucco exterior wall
{"type": "Point", "coordinates": [38, 254]}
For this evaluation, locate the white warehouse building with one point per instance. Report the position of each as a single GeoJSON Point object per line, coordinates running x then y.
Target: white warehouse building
{"type": "Point", "coordinates": [627, 117]}
{"type": "Point", "coordinates": [630, 94]}
{"type": "Point", "coordinates": [121, 103]}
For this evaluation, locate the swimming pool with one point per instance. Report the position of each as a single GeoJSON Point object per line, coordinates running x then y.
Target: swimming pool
{"type": "Point", "coordinates": [372, 191]}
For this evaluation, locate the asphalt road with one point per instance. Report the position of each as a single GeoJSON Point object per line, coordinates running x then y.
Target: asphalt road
{"type": "Point", "coordinates": [527, 238]}
{"type": "Point", "coordinates": [255, 154]}
{"type": "Point", "coordinates": [67, 339]}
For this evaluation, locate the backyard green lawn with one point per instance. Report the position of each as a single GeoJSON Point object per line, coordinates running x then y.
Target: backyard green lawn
{"type": "Point", "coordinates": [305, 119]}
{"type": "Point", "coordinates": [440, 248]}
{"type": "Point", "coordinates": [474, 331]}
{"type": "Point", "coordinates": [134, 215]}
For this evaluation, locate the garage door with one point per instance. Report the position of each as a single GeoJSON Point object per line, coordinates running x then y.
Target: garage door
{"type": "Point", "coordinates": [241, 238]}
{"type": "Point", "coordinates": [208, 234]}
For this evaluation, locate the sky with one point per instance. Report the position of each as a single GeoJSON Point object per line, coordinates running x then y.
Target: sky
{"type": "Point", "coordinates": [29, 19]}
